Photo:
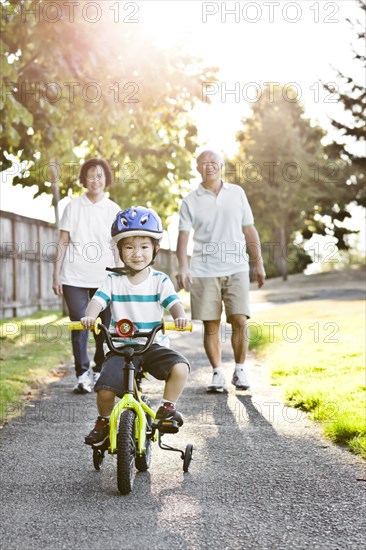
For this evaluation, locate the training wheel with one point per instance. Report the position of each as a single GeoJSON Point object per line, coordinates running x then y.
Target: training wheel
{"type": "Point", "coordinates": [98, 456]}
{"type": "Point", "coordinates": [187, 457]}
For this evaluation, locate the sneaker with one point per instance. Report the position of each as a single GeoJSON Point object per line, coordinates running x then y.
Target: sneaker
{"type": "Point", "coordinates": [99, 433]}
{"type": "Point", "coordinates": [96, 376]}
{"type": "Point", "coordinates": [83, 385]}
{"type": "Point", "coordinates": [239, 380]}
{"type": "Point", "coordinates": [168, 419]}
{"type": "Point", "coordinates": [218, 384]}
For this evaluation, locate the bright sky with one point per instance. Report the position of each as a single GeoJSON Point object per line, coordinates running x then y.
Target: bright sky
{"type": "Point", "coordinates": [249, 54]}
{"type": "Point", "coordinates": [252, 42]}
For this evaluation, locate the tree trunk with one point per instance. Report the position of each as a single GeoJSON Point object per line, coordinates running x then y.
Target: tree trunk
{"type": "Point", "coordinates": [55, 186]}
{"type": "Point", "coordinates": [279, 251]}
{"type": "Point", "coordinates": [284, 266]}
{"type": "Point", "coordinates": [55, 190]}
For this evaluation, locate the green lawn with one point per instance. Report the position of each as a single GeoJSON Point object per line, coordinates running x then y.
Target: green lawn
{"type": "Point", "coordinates": [315, 350]}
{"type": "Point", "coordinates": [31, 350]}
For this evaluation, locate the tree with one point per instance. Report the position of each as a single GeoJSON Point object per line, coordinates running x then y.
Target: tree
{"type": "Point", "coordinates": [117, 97]}
{"type": "Point", "coordinates": [331, 214]}
{"type": "Point", "coordinates": [282, 166]}
{"type": "Point", "coordinates": [354, 102]}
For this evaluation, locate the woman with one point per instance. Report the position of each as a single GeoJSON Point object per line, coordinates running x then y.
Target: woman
{"type": "Point", "coordinates": [85, 249]}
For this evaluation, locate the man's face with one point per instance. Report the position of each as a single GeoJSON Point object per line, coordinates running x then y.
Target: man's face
{"type": "Point", "coordinates": [209, 166]}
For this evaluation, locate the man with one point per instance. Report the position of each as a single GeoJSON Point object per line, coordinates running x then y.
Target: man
{"type": "Point", "coordinates": [223, 225]}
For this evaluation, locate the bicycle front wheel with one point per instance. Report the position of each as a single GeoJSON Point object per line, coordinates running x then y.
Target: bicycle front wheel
{"type": "Point", "coordinates": [126, 452]}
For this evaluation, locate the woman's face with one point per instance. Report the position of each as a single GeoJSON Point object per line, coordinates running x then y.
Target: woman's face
{"type": "Point", "coordinates": [95, 181]}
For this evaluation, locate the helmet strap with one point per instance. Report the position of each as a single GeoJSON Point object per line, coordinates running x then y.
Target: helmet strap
{"type": "Point", "coordinates": [129, 270]}
{"type": "Point", "coordinates": [125, 270]}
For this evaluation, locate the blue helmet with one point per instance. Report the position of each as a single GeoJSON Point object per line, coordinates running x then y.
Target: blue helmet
{"type": "Point", "coordinates": [137, 221]}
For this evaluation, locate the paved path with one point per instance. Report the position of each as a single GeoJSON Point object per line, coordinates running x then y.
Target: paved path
{"type": "Point", "coordinates": [262, 476]}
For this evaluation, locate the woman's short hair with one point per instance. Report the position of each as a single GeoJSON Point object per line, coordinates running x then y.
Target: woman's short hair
{"type": "Point", "coordinates": [96, 162]}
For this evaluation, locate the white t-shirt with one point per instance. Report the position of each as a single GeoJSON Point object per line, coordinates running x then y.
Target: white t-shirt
{"type": "Point", "coordinates": [143, 304]}
{"type": "Point", "coordinates": [217, 220]}
{"type": "Point", "coordinates": [90, 249]}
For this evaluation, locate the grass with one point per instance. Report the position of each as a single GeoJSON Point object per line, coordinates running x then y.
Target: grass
{"type": "Point", "coordinates": [31, 348]}
{"type": "Point", "coordinates": [315, 350]}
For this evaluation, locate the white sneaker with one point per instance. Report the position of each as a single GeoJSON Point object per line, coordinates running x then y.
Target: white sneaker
{"type": "Point", "coordinates": [83, 385]}
{"type": "Point", "coordinates": [239, 380]}
{"type": "Point", "coordinates": [218, 384]}
{"type": "Point", "coordinates": [96, 377]}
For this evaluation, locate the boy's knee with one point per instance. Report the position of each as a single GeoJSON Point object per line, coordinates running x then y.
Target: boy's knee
{"type": "Point", "coordinates": [105, 394]}
{"type": "Point", "coordinates": [180, 369]}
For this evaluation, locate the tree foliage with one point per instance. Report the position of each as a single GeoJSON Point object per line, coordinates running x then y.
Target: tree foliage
{"type": "Point", "coordinates": [353, 99]}
{"type": "Point", "coordinates": [286, 171]}
{"type": "Point", "coordinates": [332, 208]}
{"type": "Point", "coordinates": [72, 88]}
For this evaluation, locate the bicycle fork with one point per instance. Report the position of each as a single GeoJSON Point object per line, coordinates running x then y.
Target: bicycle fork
{"type": "Point", "coordinates": [129, 401]}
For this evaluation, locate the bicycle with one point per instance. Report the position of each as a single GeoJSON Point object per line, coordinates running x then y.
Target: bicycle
{"type": "Point", "coordinates": [131, 426]}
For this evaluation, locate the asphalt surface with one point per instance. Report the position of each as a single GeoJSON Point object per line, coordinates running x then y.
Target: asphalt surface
{"type": "Point", "coordinates": [262, 475]}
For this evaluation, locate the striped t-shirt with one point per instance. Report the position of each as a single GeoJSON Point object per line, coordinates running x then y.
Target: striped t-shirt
{"type": "Point", "coordinates": [143, 304]}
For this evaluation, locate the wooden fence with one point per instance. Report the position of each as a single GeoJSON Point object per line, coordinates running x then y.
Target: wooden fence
{"type": "Point", "coordinates": [27, 251]}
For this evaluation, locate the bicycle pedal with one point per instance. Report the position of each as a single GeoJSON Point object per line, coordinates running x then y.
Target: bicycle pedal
{"type": "Point", "coordinates": [168, 426]}
{"type": "Point", "coordinates": [102, 446]}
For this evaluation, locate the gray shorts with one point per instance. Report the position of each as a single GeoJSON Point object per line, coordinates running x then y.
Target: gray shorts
{"type": "Point", "coordinates": [158, 361]}
{"type": "Point", "coordinates": [209, 293]}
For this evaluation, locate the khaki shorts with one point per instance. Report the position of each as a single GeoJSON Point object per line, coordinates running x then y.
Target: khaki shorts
{"type": "Point", "coordinates": [209, 293]}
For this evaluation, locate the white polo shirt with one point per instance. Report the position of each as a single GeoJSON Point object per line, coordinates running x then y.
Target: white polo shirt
{"type": "Point", "coordinates": [91, 247]}
{"type": "Point", "coordinates": [217, 221]}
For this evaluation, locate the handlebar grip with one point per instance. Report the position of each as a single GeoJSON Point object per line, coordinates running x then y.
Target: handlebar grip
{"type": "Point", "coordinates": [76, 325]}
{"type": "Point", "coordinates": [170, 325]}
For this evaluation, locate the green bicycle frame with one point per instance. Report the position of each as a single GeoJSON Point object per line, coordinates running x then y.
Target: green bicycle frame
{"type": "Point", "coordinates": [128, 401]}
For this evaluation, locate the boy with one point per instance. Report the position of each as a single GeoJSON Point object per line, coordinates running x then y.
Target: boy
{"type": "Point", "coordinates": [141, 294]}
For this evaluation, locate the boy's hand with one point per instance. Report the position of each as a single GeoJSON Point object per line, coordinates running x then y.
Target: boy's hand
{"type": "Point", "coordinates": [88, 322]}
{"type": "Point", "coordinates": [181, 322]}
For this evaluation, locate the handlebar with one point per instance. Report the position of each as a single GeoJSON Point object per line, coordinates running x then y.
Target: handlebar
{"type": "Point", "coordinates": [150, 335]}
{"type": "Point", "coordinates": [76, 325]}
{"type": "Point", "coordinates": [170, 325]}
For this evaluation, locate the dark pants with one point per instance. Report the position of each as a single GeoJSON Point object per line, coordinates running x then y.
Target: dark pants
{"type": "Point", "coordinates": [77, 300]}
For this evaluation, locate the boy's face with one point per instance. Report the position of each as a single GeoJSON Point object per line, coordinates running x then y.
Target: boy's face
{"type": "Point", "coordinates": [137, 252]}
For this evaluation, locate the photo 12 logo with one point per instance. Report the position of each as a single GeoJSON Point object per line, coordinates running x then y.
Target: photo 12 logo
{"type": "Point", "coordinates": [268, 12]}
{"type": "Point", "coordinates": [70, 11]}
{"type": "Point", "coordinates": [53, 92]}
{"type": "Point", "coordinates": [252, 92]}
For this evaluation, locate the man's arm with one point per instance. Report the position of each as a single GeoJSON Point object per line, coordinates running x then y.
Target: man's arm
{"type": "Point", "coordinates": [184, 278]}
{"type": "Point", "coordinates": [255, 253]}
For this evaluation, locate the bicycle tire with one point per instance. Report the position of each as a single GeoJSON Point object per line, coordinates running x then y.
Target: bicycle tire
{"type": "Point", "coordinates": [187, 457]}
{"type": "Point", "coordinates": [126, 452]}
{"type": "Point", "coordinates": [143, 462]}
